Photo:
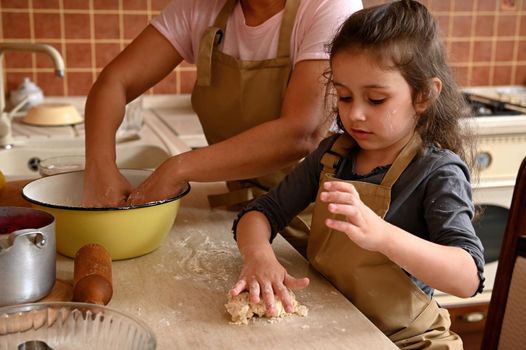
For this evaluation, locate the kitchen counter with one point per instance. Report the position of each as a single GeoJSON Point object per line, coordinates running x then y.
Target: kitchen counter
{"type": "Point", "coordinates": [180, 290]}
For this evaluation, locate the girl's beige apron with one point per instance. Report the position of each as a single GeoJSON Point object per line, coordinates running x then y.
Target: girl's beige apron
{"type": "Point", "coordinates": [231, 96]}
{"type": "Point", "coordinates": [375, 285]}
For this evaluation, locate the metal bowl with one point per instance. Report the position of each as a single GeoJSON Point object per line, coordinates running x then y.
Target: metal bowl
{"type": "Point", "coordinates": [64, 325]}
{"type": "Point", "coordinates": [61, 164]}
{"type": "Point", "coordinates": [126, 232]}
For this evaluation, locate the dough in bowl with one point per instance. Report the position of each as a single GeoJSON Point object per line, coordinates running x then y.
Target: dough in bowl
{"type": "Point", "coordinates": [241, 309]}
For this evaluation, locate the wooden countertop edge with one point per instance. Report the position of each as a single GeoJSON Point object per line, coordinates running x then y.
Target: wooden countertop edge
{"type": "Point", "coordinates": [11, 194]}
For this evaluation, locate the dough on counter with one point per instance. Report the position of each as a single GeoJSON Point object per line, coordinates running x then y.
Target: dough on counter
{"type": "Point", "coordinates": [241, 309]}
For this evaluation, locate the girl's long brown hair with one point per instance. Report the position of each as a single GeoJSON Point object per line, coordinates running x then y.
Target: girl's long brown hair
{"type": "Point", "coordinates": [403, 35]}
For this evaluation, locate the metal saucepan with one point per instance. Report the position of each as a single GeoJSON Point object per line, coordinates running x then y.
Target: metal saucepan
{"type": "Point", "coordinates": [27, 254]}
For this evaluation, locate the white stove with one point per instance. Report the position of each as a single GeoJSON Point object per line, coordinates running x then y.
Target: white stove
{"type": "Point", "coordinates": [505, 99]}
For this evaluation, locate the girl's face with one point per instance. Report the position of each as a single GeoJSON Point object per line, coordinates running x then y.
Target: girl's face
{"type": "Point", "coordinates": [374, 104]}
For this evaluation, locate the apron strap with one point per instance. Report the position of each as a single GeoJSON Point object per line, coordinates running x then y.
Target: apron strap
{"type": "Point", "coordinates": [287, 24]}
{"type": "Point", "coordinates": [211, 38]}
{"type": "Point", "coordinates": [331, 159]}
{"type": "Point", "coordinates": [223, 15]}
{"type": "Point", "coordinates": [402, 160]}
{"type": "Point", "coordinates": [204, 63]}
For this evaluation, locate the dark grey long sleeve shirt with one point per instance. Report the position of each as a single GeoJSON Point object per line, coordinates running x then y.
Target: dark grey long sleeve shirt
{"type": "Point", "coordinates": [431, 199]}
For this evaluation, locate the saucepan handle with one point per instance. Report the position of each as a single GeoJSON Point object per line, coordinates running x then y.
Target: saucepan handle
{"type": "Point", "coordinates": [38, 240]}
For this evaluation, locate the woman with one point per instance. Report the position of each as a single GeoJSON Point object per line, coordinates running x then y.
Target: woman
{"type": "Point", "coordinates": [258, 93]}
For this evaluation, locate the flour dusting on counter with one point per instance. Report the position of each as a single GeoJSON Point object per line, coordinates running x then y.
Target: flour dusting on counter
{"type": "Point", "coordinates": [215, 263]}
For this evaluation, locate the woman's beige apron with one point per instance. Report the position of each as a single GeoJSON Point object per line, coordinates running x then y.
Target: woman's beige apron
{"type": "Point", "coordinates": [379, 288]}
{"type": "Point", "coordinates": [231, 96]}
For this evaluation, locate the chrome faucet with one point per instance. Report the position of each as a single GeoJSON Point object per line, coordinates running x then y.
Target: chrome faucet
{"type": "Point", "coordinates": [6, 139]}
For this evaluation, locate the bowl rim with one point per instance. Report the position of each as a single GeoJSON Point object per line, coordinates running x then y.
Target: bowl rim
{"type": "Point", "coordinates": [28, 307]}
{"type": "Point", "coordinates": [181, 194]}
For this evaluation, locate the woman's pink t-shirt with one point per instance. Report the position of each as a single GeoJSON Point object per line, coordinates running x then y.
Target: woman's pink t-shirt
{"type": "Point", "coordinates": [183, 22]}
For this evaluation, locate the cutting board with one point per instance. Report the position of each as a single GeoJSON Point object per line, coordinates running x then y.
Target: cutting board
{"type": "Point", "coordinates": [11, 194]}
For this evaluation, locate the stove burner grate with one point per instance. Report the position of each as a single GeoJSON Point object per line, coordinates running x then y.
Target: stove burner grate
{"type": "Point", "coordinates": [485, 107]}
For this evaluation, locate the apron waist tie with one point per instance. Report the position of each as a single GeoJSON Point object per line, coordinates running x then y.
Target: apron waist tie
{"type": "Point", "coordinates": [426, 317]}
{"type": "Point", "coordinates": [429, 330]}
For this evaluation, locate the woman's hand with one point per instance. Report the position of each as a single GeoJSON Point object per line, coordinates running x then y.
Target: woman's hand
{"type": "Point", "coordinates": [108, 188]}
{"type": "Point", "coordinates": [362, 225]}
{"type": "Point", "coordinates": [263, 276]}
{"type": "Point", "coordinates": [161, 184]}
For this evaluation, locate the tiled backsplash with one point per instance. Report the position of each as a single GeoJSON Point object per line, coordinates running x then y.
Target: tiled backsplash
{"type": "Point", "coordinates": [486, 40]}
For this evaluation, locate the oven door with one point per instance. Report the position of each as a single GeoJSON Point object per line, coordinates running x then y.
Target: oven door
{"type": "Point", "coordinates": [492, 204]}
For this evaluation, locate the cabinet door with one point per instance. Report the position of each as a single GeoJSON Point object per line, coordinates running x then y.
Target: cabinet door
{"type": "Point", "coordinates": [468, 321]}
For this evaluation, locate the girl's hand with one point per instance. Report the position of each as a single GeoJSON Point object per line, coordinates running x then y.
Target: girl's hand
{"type": "Point", "coordinates": [263, 276]}
{"type": "Point", "coordinates": [362, 225]}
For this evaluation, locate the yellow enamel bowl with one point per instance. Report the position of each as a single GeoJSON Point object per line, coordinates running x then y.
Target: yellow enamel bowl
{"type": "Point", "coordinates": [126, 232]}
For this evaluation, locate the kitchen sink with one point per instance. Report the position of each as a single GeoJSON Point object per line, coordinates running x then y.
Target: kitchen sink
{"type": "Point", "coordinates": [22, 162]}
{"type": "Point", "coordinates": [147, 148]}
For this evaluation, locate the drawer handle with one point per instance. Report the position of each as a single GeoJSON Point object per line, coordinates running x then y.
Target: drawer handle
{"type": "Point", "coordinates": [474, 317]}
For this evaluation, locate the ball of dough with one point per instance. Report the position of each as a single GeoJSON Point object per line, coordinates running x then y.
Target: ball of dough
{"type": "Point", "coordinates": [241, 309]}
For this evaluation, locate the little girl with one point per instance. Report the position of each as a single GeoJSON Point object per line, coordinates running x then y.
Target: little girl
{"type": "Point", "coordinates": [392, 219]}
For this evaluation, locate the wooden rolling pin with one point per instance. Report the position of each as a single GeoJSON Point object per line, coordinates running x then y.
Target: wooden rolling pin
{"type": "Point", "coordinates": [92, 282]}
